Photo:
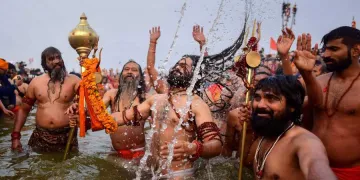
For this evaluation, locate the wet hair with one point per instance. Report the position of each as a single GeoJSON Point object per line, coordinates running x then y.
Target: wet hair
{"type": "Point", "coordinates": [290, 88]}
{"type": "Point", "coordinates": [141, 90]}
{"type": "Point", "coordinates": [350, 36]}
{"type": "Point", "coordinates": [213, 66]}
{"type": "Point", "coordinates": [50, 51]}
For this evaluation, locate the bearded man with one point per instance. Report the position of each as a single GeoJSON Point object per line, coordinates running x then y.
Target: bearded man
{"type": "Point", "coordinates": [184, 126]}
{"type": "Point", "coordinates": [283, 149]}
{"type": "Point", "coordinates": [236, 118]}
{"type": "Point", "coordinates": [128, 141]}
{"type": "Point", "coordinates": [333, 98]}
{"type": "Point", "coordinates": [54, 92]}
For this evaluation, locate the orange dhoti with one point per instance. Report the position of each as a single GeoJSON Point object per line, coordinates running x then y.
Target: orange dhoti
{"type": "Point", "coordinates": [131, 153]}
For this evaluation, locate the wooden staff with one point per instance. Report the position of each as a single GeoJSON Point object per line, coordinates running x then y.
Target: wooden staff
{"type": "Point", "coordinates": [253, 61]}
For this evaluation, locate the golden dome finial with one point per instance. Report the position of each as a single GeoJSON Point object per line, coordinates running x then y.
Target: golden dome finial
{"type": "Point", "coordinates": [83, 38]}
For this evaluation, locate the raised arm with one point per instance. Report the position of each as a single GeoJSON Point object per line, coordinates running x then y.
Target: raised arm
{"type": "Point", "coordinates": [27, 103]}
{"type": "Point", "coordinates": [198, 35]}
{"type": "Point", "coordinates": [313, 159]}
{"type": "Point", "coordinates": [284, 44]}
{"type": "Point", "coordinates": [304, 60]}
{"type": "Point", "coordinates": [207, 131]}
{"type": "Point", "coordinates": [159, 85]}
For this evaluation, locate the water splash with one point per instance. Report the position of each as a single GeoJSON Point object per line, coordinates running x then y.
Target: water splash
{"type": "Point", "coordinates": [161, 67]}
{"type": "Point", "coordinates": [189, 90]}
{"type": "Point", "coordinates": [148, 143]}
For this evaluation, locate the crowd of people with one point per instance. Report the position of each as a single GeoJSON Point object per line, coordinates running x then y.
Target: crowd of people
{"type": "Point", "coordinates": [303, 115]}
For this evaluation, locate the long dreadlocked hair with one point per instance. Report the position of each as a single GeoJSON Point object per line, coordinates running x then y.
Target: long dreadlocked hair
{"type": "Point", "coordinates": [50, 51]}
{"type": "Point", "coordinates": [141, 89]}
{"type": "Point", "coordinates": [212, 68]}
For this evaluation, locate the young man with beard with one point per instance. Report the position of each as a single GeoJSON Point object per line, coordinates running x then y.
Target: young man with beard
{"type": "Point", "coordinates": [54, 92]}
{"type": "Point", "coordinates": [128, 141]}
{"type": "Point", "coordinates": [283, 149]}
{"type": "Point", "coordinates": [334, 97]}
{"type": "Point", "coordinates": [236, 118]}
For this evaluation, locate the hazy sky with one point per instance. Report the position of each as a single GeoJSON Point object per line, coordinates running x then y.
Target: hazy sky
{"type": "Point", "coordinates": [29, 26]}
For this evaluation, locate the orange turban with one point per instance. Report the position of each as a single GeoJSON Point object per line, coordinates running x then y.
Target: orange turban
{"type": "Point", "coordinates": [3, 64]}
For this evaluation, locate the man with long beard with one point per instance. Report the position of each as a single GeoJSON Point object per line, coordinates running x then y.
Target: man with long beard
{"type": "Point", "coordinates": [333, 97]}
{"type": "Point", "coordinates": [128, 141]}
{"type": "Point", "coordinates": [54, 92]}
{"type": "Point", "coordinates": [182, 121]}
{"type": "Point", "coordinates": [283, 150]}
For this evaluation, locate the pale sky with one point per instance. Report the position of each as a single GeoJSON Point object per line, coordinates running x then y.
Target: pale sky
{"type": "Point", "coordinates": [27, 27]}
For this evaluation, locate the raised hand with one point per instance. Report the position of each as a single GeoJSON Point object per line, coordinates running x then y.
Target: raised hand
{"type": "Point", "coordinates": [198, 34]}
{"type": "Point", "coordinates": [305, 57]}
{"type": "Point", "coordinates": [284, 42]}
{"type": "Point", "coordinates": [155, 34]}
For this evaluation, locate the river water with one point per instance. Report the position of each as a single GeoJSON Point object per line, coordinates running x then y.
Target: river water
{"type": "Point", "coordinates": [95, 160]}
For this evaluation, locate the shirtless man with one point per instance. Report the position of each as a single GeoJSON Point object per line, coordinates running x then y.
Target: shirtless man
{"type": "Point", "coordinates": [54, 92]}
{"type": "Point", "coordinates": [196, 133]}
{"type": "Point", "coordinates": [128, 141]}
{"type": "Point", "coordinates": [235, 119]}
{"type": "Point", "coordinates": [283, 150]}
{"type": "Point", "coordinates": [334, 97]}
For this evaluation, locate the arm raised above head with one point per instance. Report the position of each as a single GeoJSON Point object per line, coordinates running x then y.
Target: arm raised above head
{"type": "Point", "coordinates": [159, 84]}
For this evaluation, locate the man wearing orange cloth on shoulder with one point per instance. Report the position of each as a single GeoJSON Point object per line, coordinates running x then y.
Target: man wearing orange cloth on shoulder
{"type": "Point", "coordinates": [334, 97]}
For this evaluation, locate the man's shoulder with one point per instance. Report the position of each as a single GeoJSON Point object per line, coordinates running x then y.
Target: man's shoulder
{"type": "Point", "coordinates": [301, 136]}
{"type": "Point", "coordinates": [37, 79]}
{"type": "Point", "coordinates": [73, 77]}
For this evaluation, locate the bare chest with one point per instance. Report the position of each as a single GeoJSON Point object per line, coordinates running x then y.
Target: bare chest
{"type": "Point", "coordinates": [342, 97]}
{"type": "Point", "coordinates": [278, 163]}
{"type": "Point", "coordinates": [64, 93]}
{"type": "Point", "coordinates": [122, 104]}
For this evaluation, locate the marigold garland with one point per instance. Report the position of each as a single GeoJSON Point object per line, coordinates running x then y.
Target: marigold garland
{"type": "Point", "coordinates": [95, 104]}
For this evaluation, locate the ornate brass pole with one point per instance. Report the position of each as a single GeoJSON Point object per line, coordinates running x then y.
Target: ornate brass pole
{"type": "Point", "coordinates": [253, 60]}
{"type": "Point", "coordinates": [83, 39]}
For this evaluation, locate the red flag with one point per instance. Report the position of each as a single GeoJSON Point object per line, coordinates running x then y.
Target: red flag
{"type": "Point", "coordinates": [273, 44]}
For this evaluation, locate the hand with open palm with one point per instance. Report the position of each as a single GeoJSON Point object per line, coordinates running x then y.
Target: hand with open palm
{"type": "Point", "coordinates": [284, 42]}
{"type": "Point", "coordinates": [155, 34]}
{"type": "Point", "coordinates": [198, 34]}
{"type": "Point", "coordinates": [305, 57]}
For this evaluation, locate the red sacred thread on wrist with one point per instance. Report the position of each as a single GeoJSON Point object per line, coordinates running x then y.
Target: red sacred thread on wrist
{"type": "Point", "coordinates": [15, 135]}
{"type": "Point", "coordinates": [153, 42]}
{"type": "Point", "coordinates": [199, 150]}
